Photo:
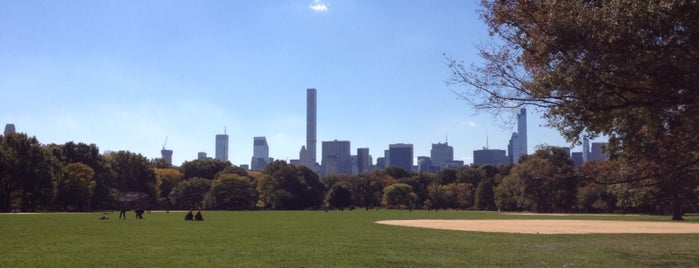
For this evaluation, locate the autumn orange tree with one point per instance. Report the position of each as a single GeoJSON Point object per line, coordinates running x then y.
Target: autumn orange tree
{"type": "Point", "coordinates": [624, 69]}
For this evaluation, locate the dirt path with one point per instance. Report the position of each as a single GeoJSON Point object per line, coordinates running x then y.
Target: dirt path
{"type": "Point", "coordinates": [552, 226]}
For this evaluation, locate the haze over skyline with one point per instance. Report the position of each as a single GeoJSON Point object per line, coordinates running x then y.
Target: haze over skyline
{"type": "Point", "coordinates": [127, 74]}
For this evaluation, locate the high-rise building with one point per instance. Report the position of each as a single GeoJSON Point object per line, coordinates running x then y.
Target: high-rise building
{"type": "Point", "coordinates": [336, 157]}
{"type": "Point", "coordinates": [490, 157]}
{"type": "Point", "coordinates": [363, 160]}
{"type": "Point", "coordinates": [311, 108]}
{"type": "Point", "coordinates": [222, 146]}
{"type": "Point", "coordinates": [166, 155]}
{"type": "Point", "coordinates": [425, 164]}
{"type": "Point", "coordinates": [440, 154]}
{"type": "Point", "coordinates": [577, 158]}
{"type": "Point", "coordinates": [586, 150]}
{"type": "Point", "coordinates": [201, 155]}
{"type": "Point", "coordinates": [260, 153]}
{"type": "Point", "coordinates": [596, 152]}
{"type": "Point", "coordinates": [401, 155]}
{"type": "Point", "coordinates": [518, 143]}
{"type": "Point", "coordinates": [9, 129]}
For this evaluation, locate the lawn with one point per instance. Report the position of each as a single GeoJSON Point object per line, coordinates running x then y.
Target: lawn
{"type": "Point", "coordinates": [320, 239]}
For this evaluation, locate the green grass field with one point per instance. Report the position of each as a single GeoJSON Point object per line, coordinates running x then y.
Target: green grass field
{"type": "Point", "coordinates": [319, 239]}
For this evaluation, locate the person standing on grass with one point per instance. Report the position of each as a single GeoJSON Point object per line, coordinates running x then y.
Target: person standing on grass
{"type": "Point", "coordinates": [122, 211]}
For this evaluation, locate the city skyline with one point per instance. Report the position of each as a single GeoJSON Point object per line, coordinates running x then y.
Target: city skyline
{"type": "Point", "coordinates": [125, 75]}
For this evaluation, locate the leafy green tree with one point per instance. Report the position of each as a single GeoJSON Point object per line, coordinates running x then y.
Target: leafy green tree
{"type": "Point", "coordinates": [485, 195]}
{"type": "Point", "coordinates": [134, 173]}
{"type": "Point", "coordinates": [446, 176]}
{"type": "Point", "coordinates": [507, 195]}
{"type": "Point", "coordinates": [542, 182]}
{"type": "Point", "coordinates": [367, 191]}
{"type": "Point", "coordinates": [289, 187]}
{"type": "Point", "coordinates": [397, 172]}
{"type": "Point", "coordinates": [231, 169]}
{"type": "Point", "coordinates": [167, 179]}
{"type": "Point", "coordinates": [339, 197]}
{"type": "Point", "coordinates": [203, 168]}
{"type": "Point", "coordinates": [190, 193]}
{"type": "Point", "coordinates": [232, 192]}
{"type": "Point", "coordinates": [469, 174]}
{"type": "Point", "coordinates": [104, 178]}
{"type": "Point", "coordinates": [75, 186]}
{"type": "Point", "coordinates": [399, 195]}
{"type": "Point", "coordinates": [420, 183]}
{"type": "Point", "coordinates": [625, 69]}
{"type": "Point", "coordinates": [29, 174]}
{"type": "Point", "coordinates": [270, 195]}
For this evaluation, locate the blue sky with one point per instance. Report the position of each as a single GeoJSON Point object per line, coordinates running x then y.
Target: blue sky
{"type": "Point", "coordinates": [127, 74]}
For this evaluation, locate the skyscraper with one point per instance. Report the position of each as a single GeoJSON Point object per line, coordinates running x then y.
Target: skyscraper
{"type": "Point", "coordinates": [260, 153]}
{"type": "Point", "coordinates": [363, 161]}
{"type": "Point", "coordinates": [596, 151]}
{"type": "Point", "coordinates": [336, 157]}
{"type": "Point", "coordinates": [9, 129]}
{"type": "Point", "coordinates": [166, 155]}
{"type": "Point", "coordinates": [586, 150]}
{"type": "Point", "coordinates": [401, 155]}
{"type": "Point", "coordinates": [518, 143]}
{"type": "Point", "coordinates": [222, 146]}
{"type": "Point", "coordinates": [440, 154]}
{"type": "Point", "coordinates": [311, 98]}
{"type": "Point", "coordinates": [490, 157]}
{"type": "Point", "coordinates": [201, 155]}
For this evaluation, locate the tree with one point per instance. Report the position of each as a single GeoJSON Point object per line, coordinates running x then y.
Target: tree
{"type": "Point", "coordinates": [231, 191]}
{"type": "Point", "coordinates": [542, 182]}
{"type": "Point", "coordinates": [203, 168]}
{"type": "Point", "coordinates": [75, 186]}
{"type": "Point", "coordinates": [366, 191]}
{"type": "Point", "coordinates": [102, 194]}
{"type": "Point", "coordinates": [289, 187]}
{"type": "Point", "coordinates": [339, 197]}
{"type": "Point", "coordinates": [624, 69]}
{"type": "Point", "coordinates": [485, 196]}
{"type": "Point", "coordinates": [29, 174]}
{"type": "Point", "coordinates": [446, 176]}
{"type": "Point", "coordinates": [399, 195]}
{"type": "Point", "coordinates": [134, 173]}
{"type": "Point", "coordinates": [189, 194]}
{"type": "Point", "coordinates": [167, 179]}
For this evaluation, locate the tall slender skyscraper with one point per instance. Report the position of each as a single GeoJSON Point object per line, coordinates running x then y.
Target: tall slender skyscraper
{"type": "Point", "coordinates": [518, 142]}
{"type": "Point", "coordinates": [222, 146]}
{"type": "Point", "coordinates": [311, 97]}
{"type": "Point", "coordinates": [586, 150]}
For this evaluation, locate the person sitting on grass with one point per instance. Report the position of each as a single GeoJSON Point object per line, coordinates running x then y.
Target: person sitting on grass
{"type": "Point", "coordinates": [139, 213]}
{"type": "Point", "coordinates": [198, 217]}
{"type": "Point", "coordinates": [189, 216]}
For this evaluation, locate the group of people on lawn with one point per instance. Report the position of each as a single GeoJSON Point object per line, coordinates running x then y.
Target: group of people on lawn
{"type": "Point", "coordinates": [192, 217]}
{"type": "Point", "coordinates": [139, 215]}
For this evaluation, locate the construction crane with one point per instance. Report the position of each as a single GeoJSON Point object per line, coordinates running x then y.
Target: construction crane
{"type": "Point", "coordinates": [165, 143]}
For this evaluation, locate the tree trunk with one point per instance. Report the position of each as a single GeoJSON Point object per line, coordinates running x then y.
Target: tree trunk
{"type": "Point", "coordinates": [676, 210]}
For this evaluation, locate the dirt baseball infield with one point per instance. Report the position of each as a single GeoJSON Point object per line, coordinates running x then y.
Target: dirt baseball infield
{"type": "Point", "coordinates": [552, 226]}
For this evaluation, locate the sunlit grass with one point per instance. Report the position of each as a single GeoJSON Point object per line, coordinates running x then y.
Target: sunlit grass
{"type": "Point", "coordinates": [319, 239]}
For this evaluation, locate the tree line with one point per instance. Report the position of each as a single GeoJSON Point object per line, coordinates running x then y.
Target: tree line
{"type": "Point", "coordinates": [77, 177]}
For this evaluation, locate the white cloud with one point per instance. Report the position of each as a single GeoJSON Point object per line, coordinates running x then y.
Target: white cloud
{"type": "Point", "coordinates": [472, 124]}
{"type": "Point", "coordinates": [318, 6]}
